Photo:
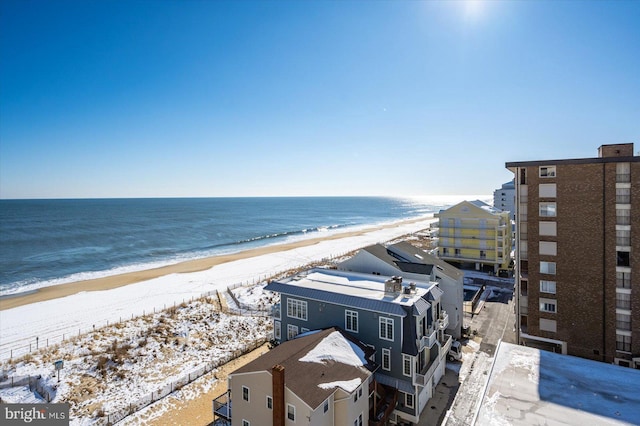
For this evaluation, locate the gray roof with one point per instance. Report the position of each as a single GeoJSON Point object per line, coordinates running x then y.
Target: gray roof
{"type": "Point", "coordinates": [303, 378]}
{"type": "Point", "coordinates": [398, 262]}
{"type": "Point", "coordinates": [428, 259]}
{"type": "Point", "coordinates": [383, 306]}
{"type": "Point", "coordinates": [402, 385]}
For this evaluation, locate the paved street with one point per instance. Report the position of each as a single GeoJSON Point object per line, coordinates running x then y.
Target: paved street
{"type": "Point", "coordinates": [458, 394]}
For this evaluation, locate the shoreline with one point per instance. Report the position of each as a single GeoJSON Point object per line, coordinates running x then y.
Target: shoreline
{"type": "Point", "coordinates": [189, 266]}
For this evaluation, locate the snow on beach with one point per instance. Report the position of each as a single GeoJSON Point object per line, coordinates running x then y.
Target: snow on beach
{"type": "Point", "coordinates": [156, 333]}
{"type": "Point", "coordinates": [21, 326]}
{"type": "Point", "coordinates": [116, 370]}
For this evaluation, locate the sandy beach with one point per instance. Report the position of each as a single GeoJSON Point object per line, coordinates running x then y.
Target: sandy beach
{"type": "Point", "coordinates": [196, 265]}
{"type": "Point", "coordinates": [66, 313]}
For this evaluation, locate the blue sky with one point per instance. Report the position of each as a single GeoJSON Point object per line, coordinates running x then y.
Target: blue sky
{"type": "Point", "coordinates": [210, 98]}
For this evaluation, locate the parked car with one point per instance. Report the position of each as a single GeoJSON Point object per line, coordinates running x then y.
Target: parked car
{"type": "Point", "coordinates": [455, 351]}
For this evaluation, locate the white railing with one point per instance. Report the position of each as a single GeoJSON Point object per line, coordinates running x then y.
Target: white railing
{"type": "Point", "coordinates": [423, 379]}
{"type": "Point", "coordinates": [427, 341]}
{"type": "Point", "coordinates": [444, 350]}
{"type": "Point", "coordinates": [443, 321]}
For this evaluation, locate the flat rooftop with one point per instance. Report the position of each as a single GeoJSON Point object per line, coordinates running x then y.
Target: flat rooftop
{"type": "Point", "coordinates": [528, 386]}
{"type": "Point", "coordinates": [354, 289]}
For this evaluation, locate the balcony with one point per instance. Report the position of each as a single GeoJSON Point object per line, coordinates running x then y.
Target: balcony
{"type": "Point", "coordinates": [385, 399]}
{"type": "Point", "coordinates": [443, 321]}
{"type": "Point", "coordinates": [445, 345]}
{"type": "Point", "coordinates": [222, 407]}
{"type": "Point", "coordinates": [424, 378]}
{"type": "Point", "coordinates": [427, 341]}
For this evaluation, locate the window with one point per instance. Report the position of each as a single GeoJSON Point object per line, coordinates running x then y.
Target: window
{"type": "Point", "coordinates": [623, 300]}
{"type": "Point", "coordinates": [548, 171]}
{"type": "Point", "coordinates": [483, 254]}
{"type": "Point", "coordinates": [292, 331]}
{"type": "Point", "coordinates": [623, 195]}
{"type": "Point", "coordinates": [297, 309]}
{"type": "Point", "coordinates": [623, 217]}
{"type": "Point", "coordinates": [547, 190]}
{"type": "Point", "coordinates": [269, 402]}
{"type": "Point", "coordinates": [623, 279]}
{"type": "Point", "coordinates": [277, 333]}
{"type": "Point", "coordinates": [326, 406]}
{"type": "Point", "coordinates": [548, 305]}
{"type": "Point", "coordinates": [524, 287]}
{"type": "Point", "coordinates": [358, 421]}
{"type": "Point", "coordinates": [445, 251]}
{"type": "Point", "coordinates": [623, 237]}
{"type": "Point", "coordinates": [548, 268]}
{"type": "Point", "coordinates": [457, 252]}
{"type": "Point", "coordinates": [291, 412]}
{"type": "Point", "coordinates": [408, 400]}
{"type": "Point", "coordinates": [623, 172]}
{"type": "Point", "coordinates": [386, 359]}
{"type": "Point", "coordinates": [548, 248]}
{"type": "Point", "coordinates": [547, 286]}
{"type": "Point", "coordinates": [547, 209]}
{"type": "Point", "coordinates": [548, 325]}
{"type": "Point", "coordinates": [548, 228]}
{"type": "Point", "coordinates": [276, 311]}
{"type": "Point", "coordinates": [351, 321]}
{"type": "Point", "coordinates": [623, 343]}
{"type": "Point", "coordinates": [623, 258]}
{"type": "Point", "coordinates": [303, 330]}
{"type": "Point", "coordinates": [245, 423]}
{"type": "Point", "coordinates": [245, 393]}
{"type": "Point", "coordinates": [406, 365]}
{"type": "Point", "coordinates": [623, 321]}
{"type": "Point", "coordinates": [386, 328]}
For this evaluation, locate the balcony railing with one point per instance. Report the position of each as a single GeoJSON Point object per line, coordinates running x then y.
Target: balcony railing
{"type": "Point", "coordinates": [443, 321]}
{"type": "Point", "coordinates": [427, 341]}
{"type": "Point", "coordinates": [222, 407]}
{"type": "Point", "coordinates": [446, 345]}
{"type": "Point", "coordinates": [423, 379]}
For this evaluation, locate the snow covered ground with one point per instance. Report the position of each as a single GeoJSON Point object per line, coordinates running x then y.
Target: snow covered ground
{"type": "Point", "coordinates": [116, 370]}
{"type": "Point", "coordinates": [126, 347]}
{"type": "Point", "coordinates": [19, 327]}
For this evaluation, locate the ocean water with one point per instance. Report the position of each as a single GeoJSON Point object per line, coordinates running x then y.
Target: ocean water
{"type": "Point", "coordinates": [47, 242]}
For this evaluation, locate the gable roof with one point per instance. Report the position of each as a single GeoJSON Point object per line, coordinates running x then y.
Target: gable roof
{"type": "Point", "coordinates": [417, 255]}
{"type": "Point", "coordinates": [478, 207]}
{"type": "Point", "coordinates": [401, 264]}
{"type": "Point", "coordinates": [313, 365]}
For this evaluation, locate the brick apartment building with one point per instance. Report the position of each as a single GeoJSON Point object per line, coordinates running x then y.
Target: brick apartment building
{"type": "Point", "coordinates": [578, 255]}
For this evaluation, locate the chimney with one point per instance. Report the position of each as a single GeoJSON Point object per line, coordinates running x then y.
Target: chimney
{"type": "Point", "coordinates": [277, 373]}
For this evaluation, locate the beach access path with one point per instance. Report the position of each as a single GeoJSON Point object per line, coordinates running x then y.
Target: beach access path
{"type": "Point", "coordinates": [52, 314]}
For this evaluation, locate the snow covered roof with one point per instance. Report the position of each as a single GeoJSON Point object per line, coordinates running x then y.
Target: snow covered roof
{"type": "Point", "coordinates": [485, 206]}
{"type": "Point", "coordinates": [528, 386]}
{"type": "Point", "coordinates": [364, 291]}
{"type": "Point", "coordinates": [317, 364]}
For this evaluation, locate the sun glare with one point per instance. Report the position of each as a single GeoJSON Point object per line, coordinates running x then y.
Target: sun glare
{"type": "Point", "coordinates": [473, 8]}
